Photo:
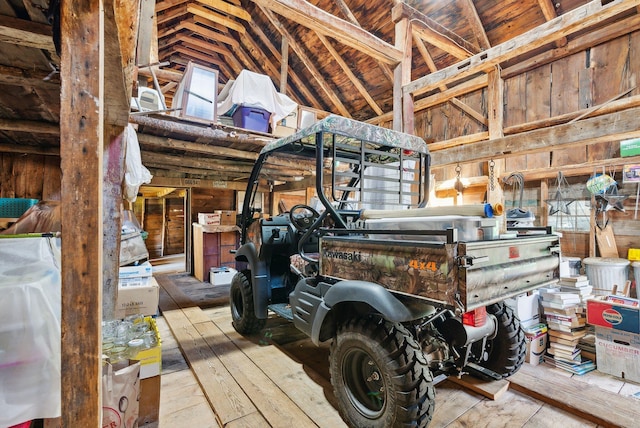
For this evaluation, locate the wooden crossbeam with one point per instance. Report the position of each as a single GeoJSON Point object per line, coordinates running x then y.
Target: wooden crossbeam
{"type": "Point", "coordinates": [578, 19]}
{"type": "Point", "coordinates": [314, 18]}
{"type": "Point", "coordinates": [227, 8]}
{"type": "Point", "coordinates": [300, 52]}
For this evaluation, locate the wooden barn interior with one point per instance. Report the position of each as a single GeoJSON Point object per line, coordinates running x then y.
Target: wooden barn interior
{"type": "Point", "coordinates": [522, 103]}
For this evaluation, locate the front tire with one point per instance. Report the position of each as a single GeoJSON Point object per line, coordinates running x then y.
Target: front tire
{"type": "Point", "coordinates": [506, 352]}
{"type": "Point", "coordinates": [243, 314]}
{"type": "Point", "coordinates": [380, 375]}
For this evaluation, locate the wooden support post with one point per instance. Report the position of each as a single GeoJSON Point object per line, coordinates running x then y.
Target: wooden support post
{"type": "Point", "coordinates": [495, 121]}
{"type": "Point", "coordinates": [81, 151]}
{"type": "Point", "coordinates": [403, 104]}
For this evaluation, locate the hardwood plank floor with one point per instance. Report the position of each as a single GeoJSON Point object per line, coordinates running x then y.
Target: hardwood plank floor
{"type": "Point", "coordinates": [285, 377]}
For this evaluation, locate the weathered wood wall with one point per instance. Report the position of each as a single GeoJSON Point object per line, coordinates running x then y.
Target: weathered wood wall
{"type": "Point", "coordinates": [592, 77]}
{"type": "Point", "coordinates": [30, 176]}
{"type": "Point", "coordinates": [174, 226]}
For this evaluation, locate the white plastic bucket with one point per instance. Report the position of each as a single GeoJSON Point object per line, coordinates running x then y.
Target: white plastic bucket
{"type": "Point", "coordinates": [636, 273]}
{"type": "Point", "coordinates": [605, 272]}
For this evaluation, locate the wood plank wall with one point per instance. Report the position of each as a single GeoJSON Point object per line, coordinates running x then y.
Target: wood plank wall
{"type": "Point", "coordinates": [30, 176]}
{"type": "Point", "coordinates": [174, 226]}
{"type": "Point", "coordinates": [579, 81]}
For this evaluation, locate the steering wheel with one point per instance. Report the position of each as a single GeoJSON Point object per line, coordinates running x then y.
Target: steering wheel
{"type": "Point", "coordinates": [302, 217]}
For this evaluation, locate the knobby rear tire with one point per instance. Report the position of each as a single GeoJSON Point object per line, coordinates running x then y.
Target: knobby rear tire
{"type": "Point", "coordinates": [380, 375]}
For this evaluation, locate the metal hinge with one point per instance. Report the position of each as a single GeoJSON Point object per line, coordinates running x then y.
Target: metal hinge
{"type": "Point", "coordinates": [468, 261]}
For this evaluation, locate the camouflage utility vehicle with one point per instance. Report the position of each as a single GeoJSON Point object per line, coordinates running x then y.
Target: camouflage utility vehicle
{"type": "Point", "coordinates": [403, 292]}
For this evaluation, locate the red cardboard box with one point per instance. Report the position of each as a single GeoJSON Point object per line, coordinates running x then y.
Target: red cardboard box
{"type": "Point", "coordinates": [614, 315]}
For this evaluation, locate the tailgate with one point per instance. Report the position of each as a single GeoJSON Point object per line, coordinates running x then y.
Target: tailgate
{"type": "Point", "coordinates": [462, 275]}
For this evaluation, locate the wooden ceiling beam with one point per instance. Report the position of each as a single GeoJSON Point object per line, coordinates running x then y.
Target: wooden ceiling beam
{"type": "Point", "coordinates": [583, 42]}
{"type": "Point", "coordinates": [30, 126]}
{"type": "Point", "coordinates": [227, 8]}
{"type": "Point", "coordinates": [432, 32]}
{"type": "Point", "coordinates": [310, 99]}
{"type": "Point", "coordinates": [209, 14]}
{"type": "Point", "coordinates": [314, 18]}
{"type": "Point", "coordinates": [352, 77]}
{"type": "Point", "coordinates": [161, 179]}
{"type": "Point", "coordinates": [609, 127]}
{"type": "Point", "coordinates": [21, 32]}
{"type": "Point", "coordinates": [578, 19]}
{"type": "Point", "coordinates": [344, 8]}
{"type": "Point", "coordinates": [17, 77]}
{"type": "Point", "coordinates": [299, 51]}
{"type": "Point", "coordinates": [195, 147]}
{"type": "Point", "coordinates": [163, 5]}
{"type": "Point", "coordinates": [471, 13]}
{"type": "Point", "coordinates": [203, 46]}
{"type": "Point", "coordinates": [207, 33]}
{"type": "Point", "coordinates": [171, 14]}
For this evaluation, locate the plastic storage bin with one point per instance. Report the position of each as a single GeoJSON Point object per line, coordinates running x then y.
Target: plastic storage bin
{"type": "Point", "coordinates": [15, 207]}
{"type": "Point", "coordinates": [253, 118]}
{"type": "Point", "coordinates": [605, 272]}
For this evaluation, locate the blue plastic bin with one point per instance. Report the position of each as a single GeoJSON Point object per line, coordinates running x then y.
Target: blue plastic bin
{"type": "Point", "coordinates": [253, 118]}
{"type": "Point", "coordinates": [15, 207]}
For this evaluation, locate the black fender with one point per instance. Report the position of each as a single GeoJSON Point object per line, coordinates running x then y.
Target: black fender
{"type": "Point", "coordinates": [380, 299]}
{"type": "Point", "coordinates": [259, 278]}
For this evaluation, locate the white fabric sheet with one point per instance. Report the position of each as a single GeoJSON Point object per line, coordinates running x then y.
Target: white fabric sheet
{"type": "Point", "coordinates": [251, 89]}
{"type": "Point", "coordinates": [30, 308]}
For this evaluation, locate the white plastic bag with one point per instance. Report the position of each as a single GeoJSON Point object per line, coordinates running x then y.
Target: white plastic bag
{"type": "Point", "coordinates": [120, 396]}
{"type": "Point", "coordinates": [135, 174]}
{"type": "Point", "coordinates": [30, 309]}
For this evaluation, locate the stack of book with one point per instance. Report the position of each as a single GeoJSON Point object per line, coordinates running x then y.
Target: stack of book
{"type": "Point", "coordinates": [565, 316]}
{"type": "Point", "coordinates": [577, 284]}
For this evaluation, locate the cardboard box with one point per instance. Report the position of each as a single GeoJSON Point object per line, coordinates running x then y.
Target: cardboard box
{"type": "Point", "coordinates": [618, 353]}
{"type": "Point", "coordinates": [137, 296]}
{"type": "Point", "coordinates": [536, 338]}
{"type": "Point", "coordinates": [614, 315]}
{"type": "Point", "coordinates": [212, 219]}
{"type": "Point", "coordinates": [149, 404]}
{"type": "Point", "coordinates": [221, 275]}
{"type": "Point", "coordinates": [227, 218]}
{"type": "Point", "coordinates": [142, 270]}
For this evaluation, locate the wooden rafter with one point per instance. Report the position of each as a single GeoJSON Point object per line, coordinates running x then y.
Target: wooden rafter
{"type": "Point", "coordinates": [310, 99]}
{"type": "Point", "coordinates": [434, 33]}
{"type": "Point", "coordinates": [172, 13]}
{"type": "Point", "coordinates": [352, 77]}
{"type": "Point", "coordinates": [207, 33]}
{"type": "Point", "coordinates": [299, 50]}
{"type": "Point", "coordinates": [314, 18]}
{"type": "Point", "coordinates": [215, 17]}
{"type": "Point", "coordinates": [578, 19]}
{"type": "Point", "coordinates": [473, 19]}
{"type": "Point", "coordinates": [203, 46]}
{"type": "Point", "coordinates": [344, 8]}
{"type": "Point", "coordinates": [227, 8]}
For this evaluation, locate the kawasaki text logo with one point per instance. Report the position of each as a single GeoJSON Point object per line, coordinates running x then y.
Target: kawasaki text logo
{"type": "Point", "coordinates": [353, 256]}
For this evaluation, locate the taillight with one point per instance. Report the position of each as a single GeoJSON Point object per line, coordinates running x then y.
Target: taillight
{"type": "Point", "coordinates": [476, 317]}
